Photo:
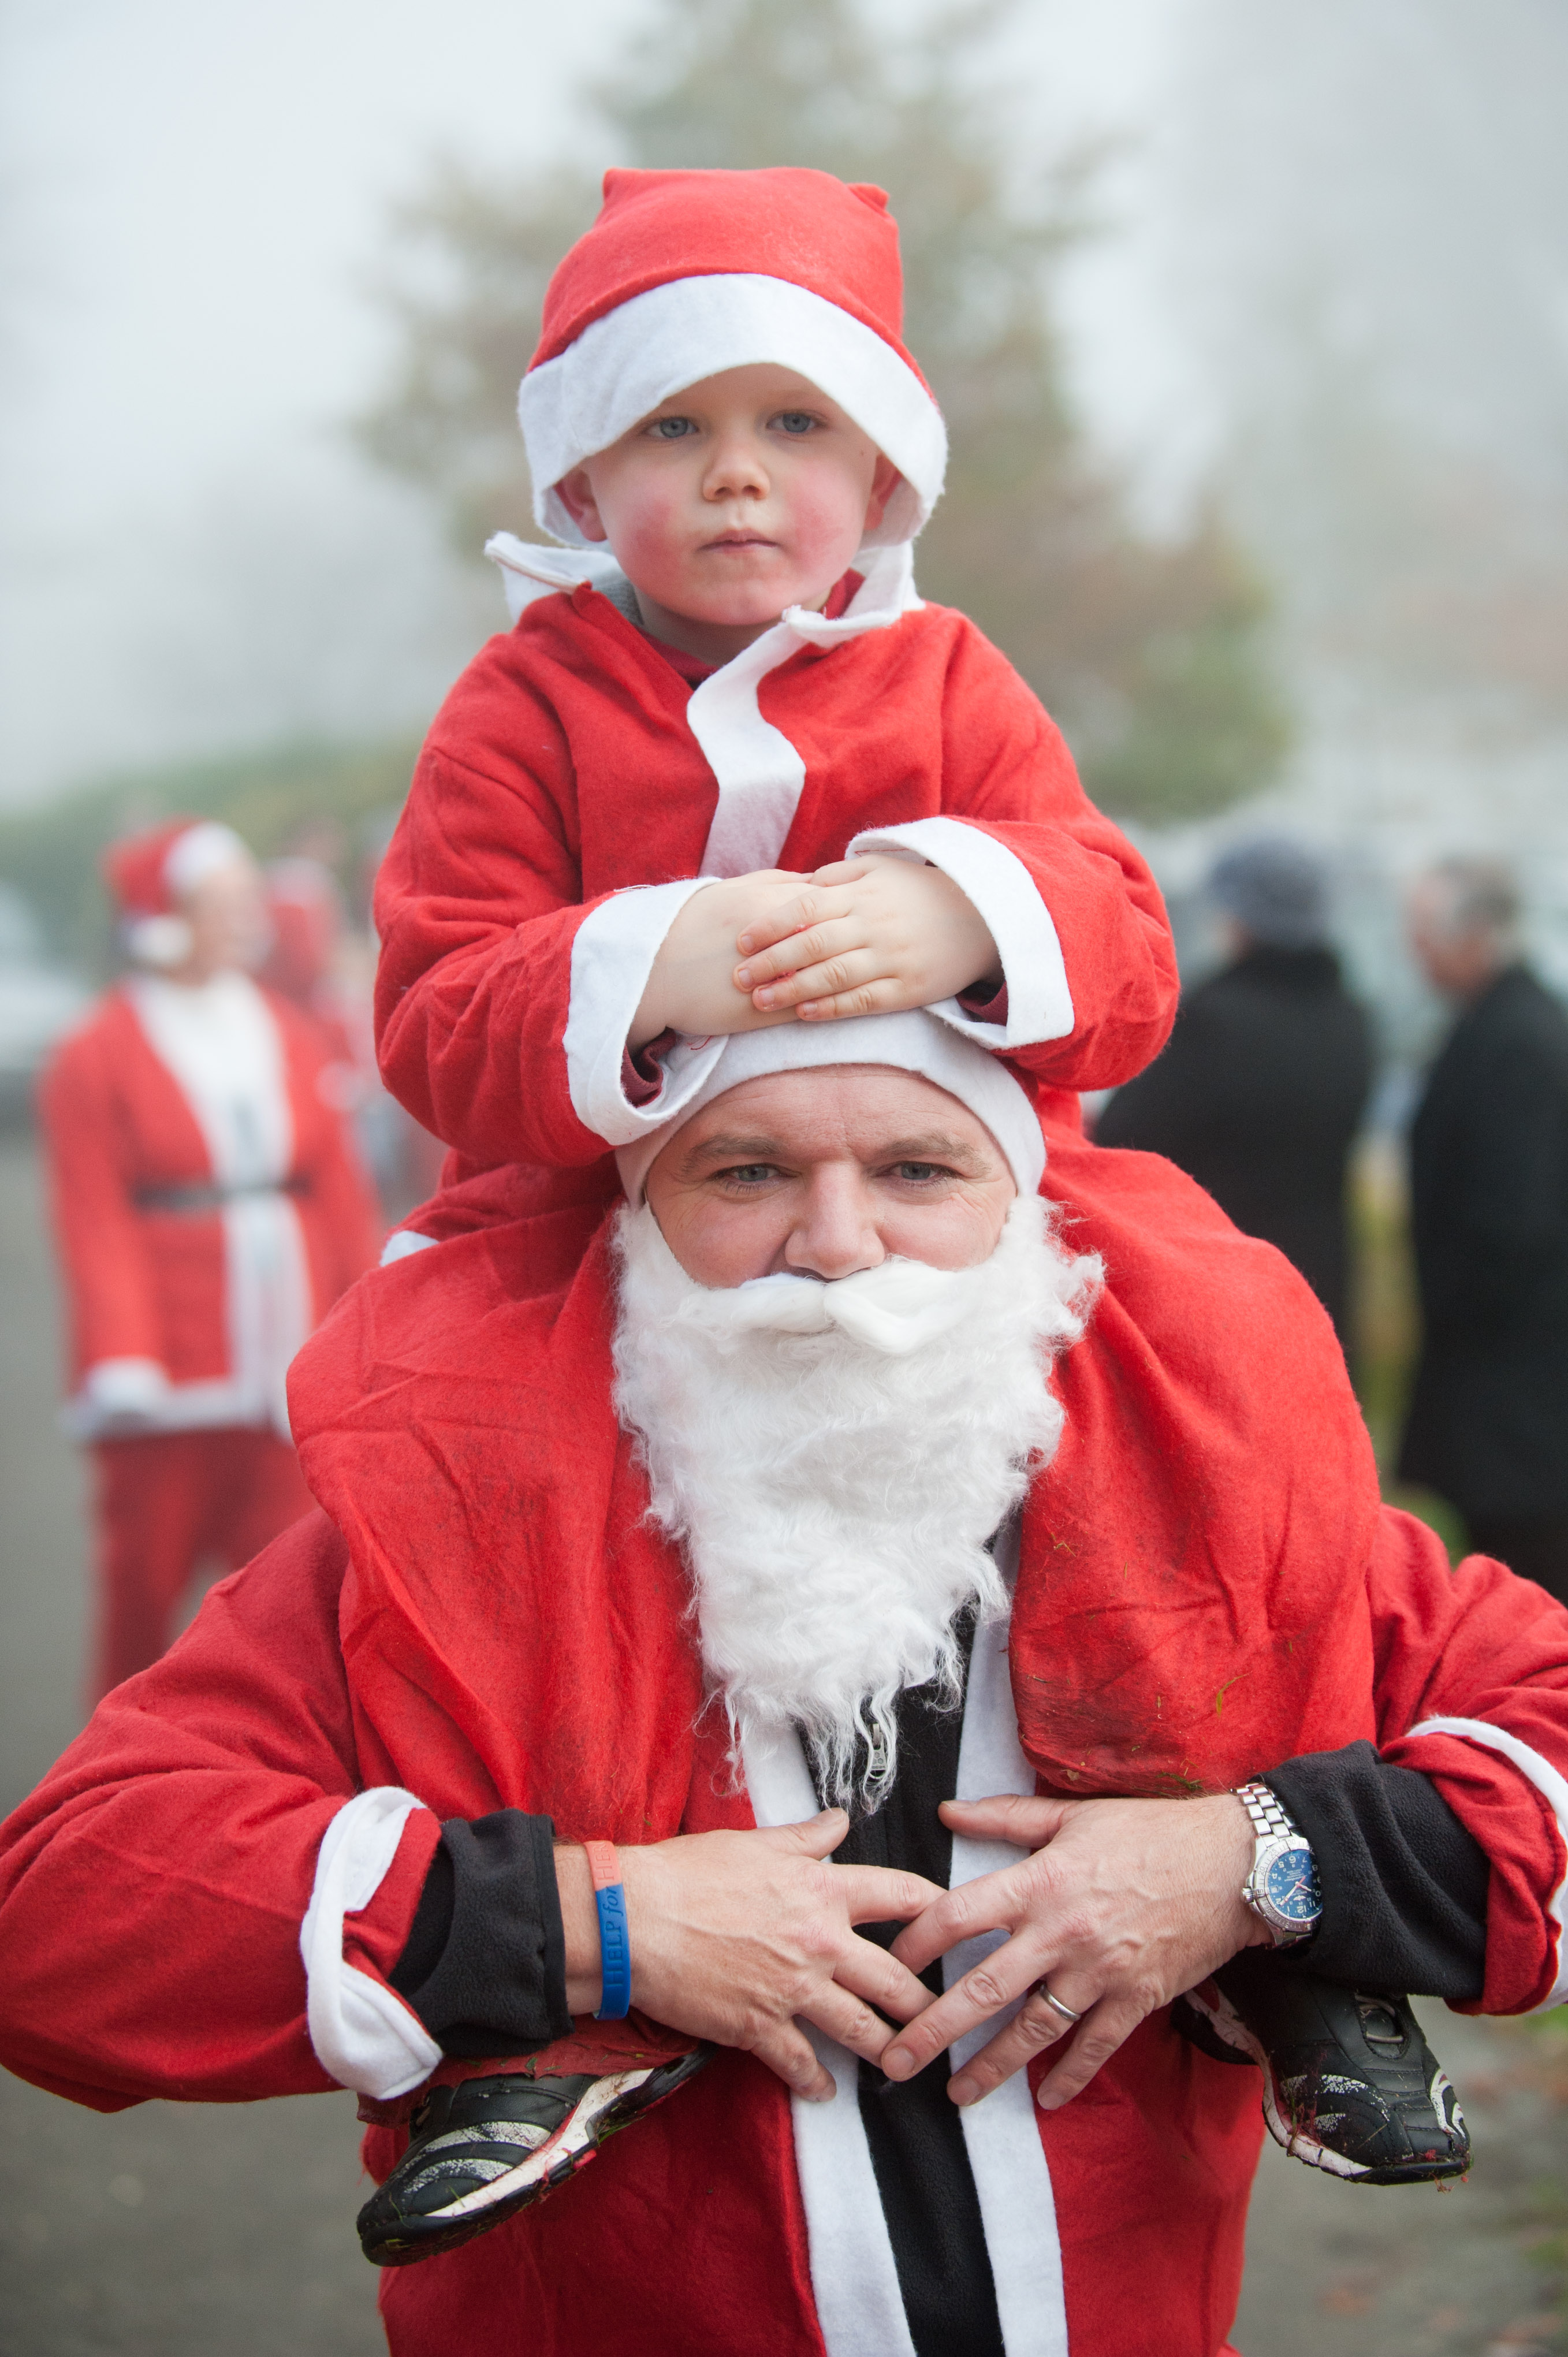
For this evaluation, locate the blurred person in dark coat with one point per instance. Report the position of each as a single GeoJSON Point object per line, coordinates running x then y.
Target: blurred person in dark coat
{"type": "Point", "coordinates": [1489, 1418]}
{"type": "Point", "coordinates": [1261, 1090]}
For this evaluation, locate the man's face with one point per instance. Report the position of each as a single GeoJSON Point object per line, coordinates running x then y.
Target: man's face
{"type": "Point", "coordinates": [1458, 963]}
{"type": "Point", "coordinates": [825, 1172]}
{"type": "Point", "coordinates": [746, 494]}
{"type": "Point", "coordinates": [227, 913]}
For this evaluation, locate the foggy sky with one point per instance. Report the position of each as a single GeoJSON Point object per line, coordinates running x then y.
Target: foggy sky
{"type": "Point", "coordinates": [195, 199]}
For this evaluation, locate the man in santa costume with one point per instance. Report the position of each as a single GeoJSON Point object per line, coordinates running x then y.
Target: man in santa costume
{"type": "Point", "coordinates": [209, 1206]}
{"type": "Point", "coordinates": [855, 1453]}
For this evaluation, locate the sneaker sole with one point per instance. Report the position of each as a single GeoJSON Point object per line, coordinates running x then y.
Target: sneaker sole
{"type": "Point", "coordinates": [613, 2102]}
{"type": "Point", "coordinates": [1227, 2026]}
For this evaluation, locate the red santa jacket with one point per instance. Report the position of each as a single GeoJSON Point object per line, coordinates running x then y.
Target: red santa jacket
{"type": "Point", "coordinates": [208, 1201]}
{"type": "Point", "coordinates": [573, 763]}
{"type": "Point", "coordinates": [1206, 1587]}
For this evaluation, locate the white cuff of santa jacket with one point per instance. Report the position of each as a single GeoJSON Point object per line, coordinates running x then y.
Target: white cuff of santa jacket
{"type": "Point", "coordinates": [126, 1391]}
{"type": "Point", "coordinates": [1039, 1003]}
{"type": "Point", "coordinates": [1552, 1786]}
{"type": "Point", "coordinates": [612, 959]}
{"type": "Point", "coordinates": [363, 2034]}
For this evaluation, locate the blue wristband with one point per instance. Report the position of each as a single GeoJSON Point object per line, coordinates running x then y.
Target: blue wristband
{"type": "Point", "coordinates": [615, 1941]}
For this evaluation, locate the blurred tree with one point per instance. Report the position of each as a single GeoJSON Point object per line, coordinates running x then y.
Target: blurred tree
{"type": "Point", "coordinates": [1150, 653]}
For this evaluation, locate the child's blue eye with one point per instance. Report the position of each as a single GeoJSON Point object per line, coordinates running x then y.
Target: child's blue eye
{"type": "Point", "coordinates": [673, 429]}
{"type": "Point", "coordinates": [796, 421]}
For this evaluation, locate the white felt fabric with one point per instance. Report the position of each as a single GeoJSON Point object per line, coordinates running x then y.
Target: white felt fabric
{"type": "Point", "coordinates": [911, 1041]}
{"type": "Point", "coordinates": [854, 2276]}
{"type": "Point", "coordinates": [854, 2279]}
{"type": "Point", "coordinates": [1552, 1786]}
{"type": "Point", "coordinates": [1039, 1002]}
{"type": "Point", "coordinates": [221, 1045]}
{"type": "Point", "coordinates": [624, 365]}
{"type": "Point", "coordinates": [1002, 2132]}
{"type": "Point", "coordinates": [612, 957]}
{"type": "Point", "coordinates": [364, 2035]}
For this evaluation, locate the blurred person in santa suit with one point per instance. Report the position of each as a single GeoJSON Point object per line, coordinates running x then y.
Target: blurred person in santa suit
{"type": "Point", "coordinates": [1488, 1416]}
{"type": "Point", "coordinates": [1259, 1092]}
{"type": "Point", "coordinates": [209, 1206]}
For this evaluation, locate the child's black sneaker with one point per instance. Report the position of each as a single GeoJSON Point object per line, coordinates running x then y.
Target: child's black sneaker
{"type": "Point", "coordinates": [486, 2149]}
{"type": "Point", "coordinates": [1349, 2082]}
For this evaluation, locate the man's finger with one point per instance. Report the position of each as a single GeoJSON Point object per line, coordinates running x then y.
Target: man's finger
{"type": "Point", "coordinates": [790, 2056]}
{"type": "Point", "coordinates": [816, 1837]}
{"type": "Point", "coordinates": [1009, 1817]}
{"type": "Point", "coordinates": [989, 1903]}
{"type": "Point", "coordinates": [844, 2017]}
{"type": "Point", "coordinates": [885, 1894]}
{"type": "Point", "coordinates": [881, 1980]}
{"type": "Point", "coordinates": [1092, 2045]}
{"type": "Point", "coordinates": [984, 1990]}
{"type": "Point", "coordinates": [1033, 2028]}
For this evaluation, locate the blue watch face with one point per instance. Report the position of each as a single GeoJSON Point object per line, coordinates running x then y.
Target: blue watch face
{"type": "Point", "coordinates": [1291, 1886]}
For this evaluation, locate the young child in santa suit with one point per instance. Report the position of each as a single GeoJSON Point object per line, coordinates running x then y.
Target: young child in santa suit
{"type": "Point", "coordinates": [728, 770]}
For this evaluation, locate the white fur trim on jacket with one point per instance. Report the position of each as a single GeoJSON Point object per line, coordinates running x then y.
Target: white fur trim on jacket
{"type": "Point", "coordinates": [659, 342]}
{"type": "Point", "coordinates": [855, 2276]}
{"type": "Point", "coordinates": [612, 958]}
{"type": "Point", "coordinates": [1039, 1002]}
{"type": "Point", "coordinates": [758, 770]}
{"type": "Point", "coordinates": [1552, 1786]}
{"type": "Point", "coordinates": [363, 2034]}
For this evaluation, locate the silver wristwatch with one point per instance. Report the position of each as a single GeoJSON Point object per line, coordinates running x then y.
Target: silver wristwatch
{"type": "Point", "coordinates": [1282, 1890]}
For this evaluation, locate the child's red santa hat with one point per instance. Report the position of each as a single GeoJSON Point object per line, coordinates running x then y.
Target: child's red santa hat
{"type": "Point", "coordinates": [685, 274]}
{"type": "Point", "coordinates": [149, 875]}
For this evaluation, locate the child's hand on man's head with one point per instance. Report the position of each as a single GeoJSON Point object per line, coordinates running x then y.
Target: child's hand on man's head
{"type": "Point", "coordinates": [866, 936]}
{"type": "Point", "coordinates": [691, 987]}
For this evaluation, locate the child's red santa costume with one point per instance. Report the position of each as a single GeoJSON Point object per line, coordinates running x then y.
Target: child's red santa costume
{"type": "Point", "coordinates": [576, 788]}
{"type": "Point", "coordinates": [206, 1897]}
{"type": "Point", "coordinates": [209, 1207]}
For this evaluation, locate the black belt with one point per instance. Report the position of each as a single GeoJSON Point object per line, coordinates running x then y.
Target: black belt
{"type": "Point", "coordinates": [211, 1198]}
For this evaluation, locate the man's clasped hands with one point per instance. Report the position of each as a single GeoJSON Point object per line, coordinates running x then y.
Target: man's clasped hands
{"type": "Point", "coordinates": [743, 1937]}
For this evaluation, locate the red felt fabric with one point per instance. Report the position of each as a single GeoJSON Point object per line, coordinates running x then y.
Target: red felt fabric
{"type": "Point", "coordinates": [561, 768]}
{"type": "Point", "coordinates": [145, 1283]}
{"type": "Point", "coordinates": [165, 1503]}
{"type": "Point", "coordinates": [836, 240]}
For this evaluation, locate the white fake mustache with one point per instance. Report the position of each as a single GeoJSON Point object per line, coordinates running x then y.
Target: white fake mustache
{"type": "Point", "coordinates": [895, 1308]}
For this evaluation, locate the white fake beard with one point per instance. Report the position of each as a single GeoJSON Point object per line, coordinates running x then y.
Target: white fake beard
{"type": "Point", "coordinates": [835, 1458]}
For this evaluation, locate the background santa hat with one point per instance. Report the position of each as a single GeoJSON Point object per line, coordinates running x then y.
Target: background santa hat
{"type": "Point", "coordinates": [911, 1042]}
{"type": "Point", "coordinates": [150, 874]}
{"type": "Point", "coordinates": [685, 274]}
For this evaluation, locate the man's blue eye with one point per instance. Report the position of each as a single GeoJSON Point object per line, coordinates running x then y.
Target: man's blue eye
{"type": "Point", "coordinates": [917, 1171]}
{"type": "Point", "coordinates": [751, 1174]}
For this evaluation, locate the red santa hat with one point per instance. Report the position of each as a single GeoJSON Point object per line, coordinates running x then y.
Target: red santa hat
{"type": "Point", "coordinates": [150, 874]}
{"type": "Point", "coordinates": [912, 1042]}
{"type": "Point", "coordinates": [685, 274]}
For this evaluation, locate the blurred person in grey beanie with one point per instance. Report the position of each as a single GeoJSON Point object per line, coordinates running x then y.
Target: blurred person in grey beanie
{"type": "Point", "coordinates": [1488, 1417]}
{"type": "Point", "coordinates": [1261, 1088]}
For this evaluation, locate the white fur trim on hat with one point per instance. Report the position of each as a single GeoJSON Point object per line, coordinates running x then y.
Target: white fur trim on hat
{"type": "Point", "coordinates": [911, 1042]}
{"type": "Point", "coordinates": [199, 853]}
{"type": "Point", "coordinates": [659, 342]}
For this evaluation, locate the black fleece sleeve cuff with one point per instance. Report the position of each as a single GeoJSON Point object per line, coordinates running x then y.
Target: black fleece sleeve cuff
{"type": "Point", "coordinates": [1404, 1884]}
{"type": "Point", "coordinates": [485, 1963]}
